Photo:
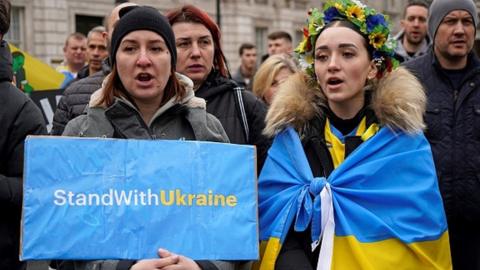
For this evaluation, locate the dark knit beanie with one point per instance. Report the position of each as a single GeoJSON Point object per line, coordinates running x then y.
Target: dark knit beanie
{"type": "Point", "coordinates": [440, 8]}
{"type": "Point", "coordinates": [133, 18]}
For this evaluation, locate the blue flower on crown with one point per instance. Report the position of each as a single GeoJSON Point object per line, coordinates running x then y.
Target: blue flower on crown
{"type": "Point", "coordinates": [330, 14]}
{"type": "Point", "coordinates": [374, 21]}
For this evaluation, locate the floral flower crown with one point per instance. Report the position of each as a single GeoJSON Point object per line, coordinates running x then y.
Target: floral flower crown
{"type": "Point", "coordinates": [373, 25]}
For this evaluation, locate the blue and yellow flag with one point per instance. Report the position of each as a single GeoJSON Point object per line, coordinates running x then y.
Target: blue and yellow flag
{"type": "Point", "coordinates": [380, 209]}
{"type": "Point", "coordinates": [32, 74]}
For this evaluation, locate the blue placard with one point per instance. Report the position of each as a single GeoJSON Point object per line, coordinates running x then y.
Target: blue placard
{"type": "Point", "coordinates": [91, 198]}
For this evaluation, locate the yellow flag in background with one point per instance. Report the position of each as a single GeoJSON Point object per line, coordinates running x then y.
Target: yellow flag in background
{"type": "Point", "coordinates": [32, 74]}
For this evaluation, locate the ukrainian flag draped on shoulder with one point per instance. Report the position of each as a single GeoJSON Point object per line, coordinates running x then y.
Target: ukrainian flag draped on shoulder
{"type": "Point", "coordinates": [380, 209]}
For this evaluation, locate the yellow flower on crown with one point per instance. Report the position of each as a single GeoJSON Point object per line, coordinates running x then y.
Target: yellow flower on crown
{"type": "Point", "coordinates": [356, 12]}
{"type": "Point", "coordinates": [338, 6]}
{"type": "Point", "coordinates": [377, 39]}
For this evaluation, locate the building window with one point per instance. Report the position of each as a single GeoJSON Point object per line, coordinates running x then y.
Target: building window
{"type": "Point", "coordinates": [261, 42]}
{"type": "Point", "coordinates": [83, 23]}
{"type": "Point", "coordinates": [16, 33]}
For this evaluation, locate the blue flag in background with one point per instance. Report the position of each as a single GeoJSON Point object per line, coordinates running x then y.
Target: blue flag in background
{"type": "Point", "coordinates": [90, 198]}
{"type": "Point", "coordinates": [381, 208]}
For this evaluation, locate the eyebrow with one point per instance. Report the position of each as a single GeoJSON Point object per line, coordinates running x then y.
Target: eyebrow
{"type": "Point", "coordinates": [341, 45]}
{"type": "Point", "coordinates": [135, 41]}
{"type": "Point", "coordinates": [190, 38]}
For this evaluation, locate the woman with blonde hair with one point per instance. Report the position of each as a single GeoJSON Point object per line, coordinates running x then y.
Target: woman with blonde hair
{"type": "Point", "coordinates": [275, 70]}
{"type": "Point", "coordinates": [349, 182]}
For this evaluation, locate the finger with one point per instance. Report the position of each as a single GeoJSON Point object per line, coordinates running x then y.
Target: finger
{"type": "Point", "coordinates": [170, 260]}
{"type": "Point", "coordinates": [163, 253]}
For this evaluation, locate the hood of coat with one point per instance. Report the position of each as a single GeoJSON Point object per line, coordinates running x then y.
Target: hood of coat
{"type": "Point", "coordinates": [189, 100]}
{"type": "Point", "coordinates": [398, 100]}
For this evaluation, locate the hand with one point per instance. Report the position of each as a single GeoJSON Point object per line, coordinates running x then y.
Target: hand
{"type": "Point", "coordinates": [183, 263]}
{"type": "Point", "coordinates": [149, 264]}
{"type": "Point", "coordinates": [167, 261]}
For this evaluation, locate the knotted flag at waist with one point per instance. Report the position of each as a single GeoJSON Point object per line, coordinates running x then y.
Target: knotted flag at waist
{"type": "Point", "coordinates": [380, 209]}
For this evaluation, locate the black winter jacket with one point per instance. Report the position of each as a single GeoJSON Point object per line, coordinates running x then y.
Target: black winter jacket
{"type": "Point", "coordinates": [76, 97]}
{"type": "Point", "coordinates": [223, 102]}
{"type": "Point", "coordinates": [453, 130]}
{"type": "Point", "coordinates": [19, 117]}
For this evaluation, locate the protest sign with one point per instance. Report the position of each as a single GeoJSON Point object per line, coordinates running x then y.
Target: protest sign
{"type": "Point", "coordinates": [92, 198]}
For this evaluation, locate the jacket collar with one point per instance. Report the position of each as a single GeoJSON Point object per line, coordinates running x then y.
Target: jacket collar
{"type": "Point", "coordinates": [215, 84]}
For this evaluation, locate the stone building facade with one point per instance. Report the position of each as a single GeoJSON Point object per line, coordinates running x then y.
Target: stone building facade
{"type": "Point", "coordinates": [40, 26]}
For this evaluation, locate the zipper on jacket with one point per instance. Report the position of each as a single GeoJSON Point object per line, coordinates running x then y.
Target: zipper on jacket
{"type": "Point", "coordinates": [455, 96]}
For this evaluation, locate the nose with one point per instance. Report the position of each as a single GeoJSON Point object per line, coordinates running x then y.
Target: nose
{"type": "Point", "coordinates": [459, 28]}
{"type": "Point", "coordinates": [143, 59]}
{"type": "Point", "coordinates": [333, 64]}
{"type": "Point", "coordinates": [195, 52]}
{"type": "Point", "coordinates": [416, 22]}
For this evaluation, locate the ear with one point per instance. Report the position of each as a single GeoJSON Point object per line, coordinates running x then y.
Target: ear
{"type": "Point", "coordinates": [402, 23]}
{"type": "Point", "coordinates": [373, 70]}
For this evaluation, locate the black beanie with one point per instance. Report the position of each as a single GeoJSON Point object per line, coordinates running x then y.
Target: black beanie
{"type": "Point", "coordinates": [133, 18]}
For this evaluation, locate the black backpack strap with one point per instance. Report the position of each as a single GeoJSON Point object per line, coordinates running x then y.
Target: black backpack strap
{"type": "Point", "coordinates": [241, 108]}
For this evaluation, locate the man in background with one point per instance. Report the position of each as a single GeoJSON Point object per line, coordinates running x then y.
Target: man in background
{"type": "Point", "coordinates": [450, 73]}
{"type": "Point", "coordinates": [413, 40]}
{"type": "Point", "coordinates": [278, 42]}
{"type": "Point", "coordinates": [248, 63]}
{"type": "Point", "coordinates": [96, 52]}
{"type": "Point", "coordinates": [74, 53]}
{"type": "Point", "coordinates": [19, 117]}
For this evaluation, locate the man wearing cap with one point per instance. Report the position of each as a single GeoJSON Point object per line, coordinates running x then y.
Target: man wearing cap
{"type": "Point", "coordinates": [450, 73]}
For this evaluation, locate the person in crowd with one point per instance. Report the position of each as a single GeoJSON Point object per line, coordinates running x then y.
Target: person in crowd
{"type": "Point", "coordinates": [19, 117]}
{"type": "Point", "coordinates": [413, 40]}
{"type": "Point", "coordinates": [450, 72]}
{"type": "Point", "coordinates": [272, 73]}
{"type": "Point", "coordinates": [74, 53]}
{"type": "Point", "coordinates": [77, 95]}
{"type": "Point", "coordinates": [96, 52]}
{"type": "Point", "coordinates": [248, 64]}
{"type": "Point", "coordinates": [349, 181]}
{"type": "Point", "coordinates": [200, 57]}
{"type": "Point", "coordinates": [144, 98]}
{"type": "Point", "coordinates": [277, 43]}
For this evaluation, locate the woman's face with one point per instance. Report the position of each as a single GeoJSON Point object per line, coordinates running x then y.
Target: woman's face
{"type": "Point", "coordinates": [342, 67]}
{"type": "Point", "coordinates": [195, 51]}
{"type": "Point", "coordinates": [281, 76]}
{"type": "Point", "coordinates": [143, 65]}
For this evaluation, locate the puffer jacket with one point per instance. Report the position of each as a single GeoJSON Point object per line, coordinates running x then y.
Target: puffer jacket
{"type": "Point", "coordinates": [19, 117]}
{"type": "Point", "coordinates": [453, 130]}
{"type": "Point", "coordinates": [186, 119]}
{"type": "Point", "coordinates": [76, 97]}
{"type": "Point", "coordinates": [223, 98]}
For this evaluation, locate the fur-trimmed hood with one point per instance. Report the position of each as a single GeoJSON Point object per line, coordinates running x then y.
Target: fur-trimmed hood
{"type": "Point", "coordinates": [398, 101]}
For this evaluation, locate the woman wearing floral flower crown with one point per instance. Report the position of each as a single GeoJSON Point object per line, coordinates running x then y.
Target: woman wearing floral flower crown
{"type": "Point", "coordinates": [349, 182]}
